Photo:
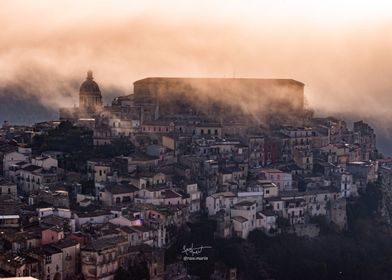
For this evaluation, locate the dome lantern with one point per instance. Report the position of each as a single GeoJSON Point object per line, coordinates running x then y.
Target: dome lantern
{"type": "Point", "coordinates": [90, 75]}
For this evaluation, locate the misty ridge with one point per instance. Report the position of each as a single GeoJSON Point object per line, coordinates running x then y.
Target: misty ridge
{"type": "Point", "coordinates": [250, 99]}
{"type": "Point", "coordinates": [34, 96]}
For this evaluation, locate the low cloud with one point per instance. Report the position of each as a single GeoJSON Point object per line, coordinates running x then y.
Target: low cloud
{"type": "Point", "coordinates": [345, 62]}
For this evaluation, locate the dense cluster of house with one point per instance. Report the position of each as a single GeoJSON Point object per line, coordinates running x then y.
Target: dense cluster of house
{"type": "Point", "coordinates": [239, 174]}
{"type": "Point", "coordinates": [52, 229]}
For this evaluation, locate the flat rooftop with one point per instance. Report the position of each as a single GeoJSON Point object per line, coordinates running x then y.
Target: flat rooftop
{"type": "Point", "coordinates": [217, 80]}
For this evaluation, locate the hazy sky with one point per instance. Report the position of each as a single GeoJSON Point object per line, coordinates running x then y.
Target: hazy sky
{"type": "Point", "coordinates": [341, 50]}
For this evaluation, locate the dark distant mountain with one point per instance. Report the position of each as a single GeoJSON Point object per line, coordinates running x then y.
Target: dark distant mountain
{"type": "Point", "coordinates": [20, 108]}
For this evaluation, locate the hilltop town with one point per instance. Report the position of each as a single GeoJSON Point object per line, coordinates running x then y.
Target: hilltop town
{"type": "Point", "coordinates": [128, 190]}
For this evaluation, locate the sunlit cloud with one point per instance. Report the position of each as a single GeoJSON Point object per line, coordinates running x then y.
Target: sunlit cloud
{"type": "Point", "coordinates": [339, 49]}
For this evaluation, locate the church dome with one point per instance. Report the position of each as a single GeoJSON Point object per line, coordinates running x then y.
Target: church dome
{"type": "Point", "coordinates": [89, 86]}
{"type": "Point", "coordinates": [90, 98]}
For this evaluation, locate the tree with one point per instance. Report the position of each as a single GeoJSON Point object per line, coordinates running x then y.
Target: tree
{"type": "Point", "coordinates": [122, 274]}
{"type": "Point", "coordinates": [77, 144]}
{"type": "Point", "coordinates": [283, 224]}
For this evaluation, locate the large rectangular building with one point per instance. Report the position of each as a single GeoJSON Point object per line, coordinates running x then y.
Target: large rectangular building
{"type": "Point", "coordinates": [217, 96]}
